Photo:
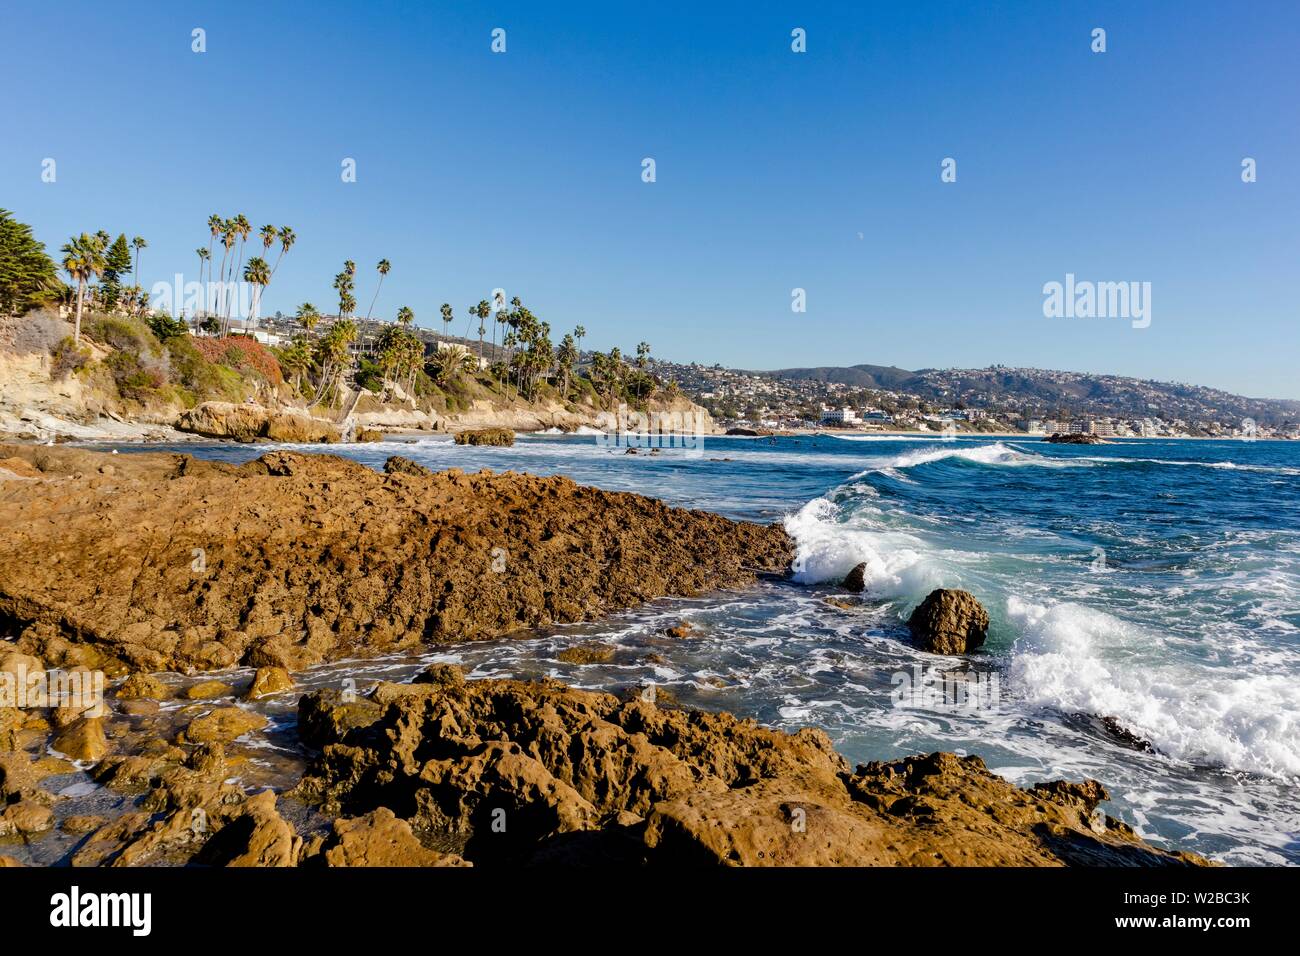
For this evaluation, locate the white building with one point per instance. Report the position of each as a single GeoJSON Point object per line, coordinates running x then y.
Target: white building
{"type": "Point", "coordinates": [839, 416]}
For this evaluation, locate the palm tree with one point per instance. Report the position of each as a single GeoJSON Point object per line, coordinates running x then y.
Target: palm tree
{"type": "Point", "coordinates": [446, 319]}
{"type": "Point", "coordinates": [204, 256]}
{"type": "Point", "coordinates": [228, 232]}
{"type": "Point", "coordinates": [137, 244]}
{"type": "Point", "coordinates": [243, 229]}
{"type": "Point", "coordinates": [383, 267]}
{"type": "Point", "coordinates": [287, 239]}
{"type": "Point", "coordinates": [579, 333]}
{"type": "Point", "coordinates": [482, 310]}
{"type": "Point", "coordinates": [449, 362]}
{"type": "Point", "coordinates": [307, 316]}
{"type": "Point", "coordinates": [343, 284]}
{"type": "Point", "coordinates": [499, 307]}
{"type": "Point", "coordinates": [83, 259]}
{"type": "Point", "coordinates": [567, 356]}
{"type": "Point", "coordinates": [333, 352]}
{"type": "Point", "coordinates": [502, 318]}
{"type": "Point", "coordinates": [257, 274]}
{"type": "Point", "coordinates": [269, 234]}
{"type": "Point", "coordinates": [642, 363]}
{"type": "Point", "coordinates": [215, 226]}
{"type": "Point", "coordinates": [405, 316]}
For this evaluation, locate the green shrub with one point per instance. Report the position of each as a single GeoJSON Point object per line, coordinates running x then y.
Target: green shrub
{"type": "Point", "coordinates": [123, 334]}
{"type": "Point", "coordinates": [134, 379]}
{"type": "Point", "coordinates": [369, 376]}
{"type": "Point", "coordinates": [206, 380]}
{"type": "Point", "coordinates": [164, 327]}
{"type": "Point", "coordinates": [67, 357]}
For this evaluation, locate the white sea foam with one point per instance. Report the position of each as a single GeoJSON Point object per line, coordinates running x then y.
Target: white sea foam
{"type": "Point", "coordinates": [829, 544]}
{"type": "Point", "coordinates": [1079, 659]}
{"type": "Point", "coordinates": [995, 454]}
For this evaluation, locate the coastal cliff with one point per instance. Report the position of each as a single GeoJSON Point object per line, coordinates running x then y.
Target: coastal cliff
{"type": "Point", "coordinates": [124, 383]}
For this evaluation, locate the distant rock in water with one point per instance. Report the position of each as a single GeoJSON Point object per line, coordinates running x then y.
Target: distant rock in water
{"type": "Point", "coordinates": [949, 621]}
{"type": "Point", "coordinates": [856, 580]}
{"type": "Point", "coordinates": [486, 436]}
{"type": "Point", "coordinates": [1060, 439]}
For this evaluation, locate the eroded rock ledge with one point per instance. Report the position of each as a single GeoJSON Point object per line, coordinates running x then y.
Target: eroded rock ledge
{"type": "Point", "coordinates": [450, 772]}
{"type": "Point", "coordinates": [542, 773]}
{"type": "Point", "coordinates": [149, 562]}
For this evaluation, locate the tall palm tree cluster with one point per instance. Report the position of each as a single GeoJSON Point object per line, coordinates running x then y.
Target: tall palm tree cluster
{"type": "Point", "coordinates": [257, 271]}
{"type": "Point", "coordinates": [614, 377]}
{"type": "Point", "coordinates": [87, 258]}
{"type": "Point", "coordinates": [400, 351]}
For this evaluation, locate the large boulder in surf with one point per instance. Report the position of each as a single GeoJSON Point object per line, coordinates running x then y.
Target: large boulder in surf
{"type": "Point", "coordinates": [856, 580]}
{"type": "Point", "coordinates": [1059, 438]}
{"type": "Point", "coordinates": [486, 436]}
{"type": "Point", "coordinates": [949, 621]}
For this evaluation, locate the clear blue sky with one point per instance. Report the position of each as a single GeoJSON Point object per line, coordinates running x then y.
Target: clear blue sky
{"type": "Point", "coordinates": [775, 170]}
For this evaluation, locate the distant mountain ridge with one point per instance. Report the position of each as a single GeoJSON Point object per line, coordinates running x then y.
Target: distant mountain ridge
{"type": "Point", "coordinates": [1042, 391]}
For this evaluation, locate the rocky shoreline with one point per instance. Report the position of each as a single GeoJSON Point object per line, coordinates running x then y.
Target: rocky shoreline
{"type": "Point", "coordinates": [166, 562]}
{"type": "Point", "coordinates": [145, 563]}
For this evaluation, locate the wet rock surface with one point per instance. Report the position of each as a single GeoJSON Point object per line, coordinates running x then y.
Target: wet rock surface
{"type": "Point", "coordinates": [856, 580]}
{"type": "Point", "coordinates": [177, 564]}
{"type": "Point", "coordinates": [949, 622]}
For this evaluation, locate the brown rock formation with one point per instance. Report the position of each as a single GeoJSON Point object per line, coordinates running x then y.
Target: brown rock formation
{"type": "Point", "coordinates": [267, 681]}
{"type": "Point", "coordinates": [587, 654]}
{"type": "Point", "coordinates": [539, 772]}
{"type": "Point", "coordinates": [949, 622]}
{"type": "Point", "coordinates": [486, 436]}
{"type": "Point", "coordinates": [83, 740]}
{"type": "Point", "coordinates": [251, 422]}
{"type": "Point", "coordinates": [177, 564]}
{"type": "Point", "coordinates": [381, 839]}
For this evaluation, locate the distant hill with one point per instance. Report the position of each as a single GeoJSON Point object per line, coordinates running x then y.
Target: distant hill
{"type": "Point", "coordinates": [1042, 391]}
{"type": "Point", "coordinates": [887, 377]}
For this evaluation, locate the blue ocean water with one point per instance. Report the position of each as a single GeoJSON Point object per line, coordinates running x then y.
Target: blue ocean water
{"type": "Point", "coordinates": [1153, 582]}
